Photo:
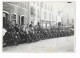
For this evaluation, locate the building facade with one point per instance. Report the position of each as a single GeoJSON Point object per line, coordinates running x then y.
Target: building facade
{"type": "Point", "coordinates": [24, 13]}
{"type": "Point", "coordinates": [46, 14]}
{"type": "Point", "coordinates": [34, 12]}
{"type": "Point", "coordinates": [16, 12]}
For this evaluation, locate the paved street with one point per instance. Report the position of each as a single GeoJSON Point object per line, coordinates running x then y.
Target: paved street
{"type": "Point", "coordinates": [62, 44]}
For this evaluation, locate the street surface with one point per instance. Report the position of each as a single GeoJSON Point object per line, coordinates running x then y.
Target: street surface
{"type": "Point", "coordinates": [61, 44]}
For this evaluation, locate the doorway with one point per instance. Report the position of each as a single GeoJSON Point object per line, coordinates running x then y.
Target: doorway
{"type": "Point", "coordinates": [22, 20]}
{"type": "Point", "coordinates": [5, 19]}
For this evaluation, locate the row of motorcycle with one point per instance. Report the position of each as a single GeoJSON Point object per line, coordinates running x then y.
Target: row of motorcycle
{"type": "Point", "coordinates": [14, 38]}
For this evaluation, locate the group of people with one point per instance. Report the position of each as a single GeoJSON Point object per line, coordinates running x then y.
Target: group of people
{"type": "Point", "coordinates": [17, 34]}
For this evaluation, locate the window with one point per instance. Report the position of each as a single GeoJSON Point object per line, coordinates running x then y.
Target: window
{"type": "Point", "coordinates": [45, 14]}
{"type": "Point", "coordinates": [42, 4]}
{"type": "Point", "coordinates": [50, 16]}
{"type": "Point", "coordinates": [26, 5]}
{"type": "Point", "coordinates": [21, 4]}
{"type": "Point", "coordinates": [51, 9]}
{"type": "Point", "coordinates": [72, 20]}
{"type": "Point", "coordinates": [48, 8]}
{"type": "Point", "coordinates": [34, 2]}
{"type": "Point", "coordinates": [37, 3]}
{"type": "Point", "coordinates": [32, 11]}
{"type": "Point", "coordinates": [38, 14]}
{"type": "Point", "coordinates": [45, 6]}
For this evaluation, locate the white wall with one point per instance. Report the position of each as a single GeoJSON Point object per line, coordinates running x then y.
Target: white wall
{"type": "Point", "coordinates": [68, 10]}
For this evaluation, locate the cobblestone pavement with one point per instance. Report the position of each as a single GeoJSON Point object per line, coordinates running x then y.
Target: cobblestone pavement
{"type": "Point", "coordinates": [62, 44]}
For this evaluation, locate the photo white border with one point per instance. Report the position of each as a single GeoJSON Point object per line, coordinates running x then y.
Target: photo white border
{"type": "Point", "coordinates": [44, 55]}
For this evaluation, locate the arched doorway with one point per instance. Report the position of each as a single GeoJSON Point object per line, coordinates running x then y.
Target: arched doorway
{"type": "Point", "coordinates": [5, 19]}
{"type": "Point", "coordinates": [22, 20]}
{"type": "Point", "coordinates": [13, 18]}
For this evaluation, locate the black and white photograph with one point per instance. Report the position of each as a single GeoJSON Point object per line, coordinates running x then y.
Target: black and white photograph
{"type": "Point", "coordinates": [38, 26]}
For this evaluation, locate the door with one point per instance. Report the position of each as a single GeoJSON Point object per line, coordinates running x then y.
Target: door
{"type": "Point", "coordinates": [22, 20]}
{"type": "Point", "coordinates": [59, 23]}
{"type": "Point", "coordinates": [5, 19]}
